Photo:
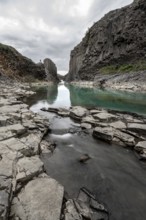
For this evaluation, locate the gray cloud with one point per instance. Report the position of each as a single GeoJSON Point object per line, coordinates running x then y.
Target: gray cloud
{"type": "Point", "coordinates": [50, 28]}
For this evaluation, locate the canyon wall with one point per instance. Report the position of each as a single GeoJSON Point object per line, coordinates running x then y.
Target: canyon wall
{"type": "Point", "coordinates": [118, 38]}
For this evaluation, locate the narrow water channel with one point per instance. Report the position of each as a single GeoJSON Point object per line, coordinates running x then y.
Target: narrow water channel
{"type": "Point", "coordinates": [113, 174]}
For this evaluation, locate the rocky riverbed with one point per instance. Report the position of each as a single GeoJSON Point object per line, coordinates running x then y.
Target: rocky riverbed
{"type": "Point", "coordinates": [26, 191]}
{"type": "Point", "coordinates": [127, 130]}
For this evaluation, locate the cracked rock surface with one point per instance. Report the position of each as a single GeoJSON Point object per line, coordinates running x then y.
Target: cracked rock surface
{"type": "Point", "coordinates": [26, 192]}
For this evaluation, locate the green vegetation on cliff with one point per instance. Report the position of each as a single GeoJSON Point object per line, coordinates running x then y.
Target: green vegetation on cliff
{"type": "Point", "coordinates": [125, 68]}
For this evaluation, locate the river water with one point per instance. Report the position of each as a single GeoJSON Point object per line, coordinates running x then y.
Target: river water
{"type": "Point", "coordinates": [113, 174]}
{"type": "Point", "coordinates": [69, 95]}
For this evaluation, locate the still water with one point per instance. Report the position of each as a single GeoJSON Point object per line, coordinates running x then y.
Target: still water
{"type": "Point", "coordinates": [113, 173]}
{"type": "Point", "coordinates": [68, 95]}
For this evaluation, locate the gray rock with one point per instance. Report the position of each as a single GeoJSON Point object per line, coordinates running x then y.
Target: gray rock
{"type": "Point", "coordinates": [118, 124]}
{"type": "Point", "coordinates": [126, 139]}
{"type": "Point", "coordinates": [86, 126]}
{"type": "Point", "coordinates": [27, 168]}
{"type": "Point", "coordinates": [31, 142]}
{"type": "Point", "coordinates": [77, 112]}
{"type": "Point", "coordinates": [143, 155]}
{"type": "Point", "coordinates": [105, 117]}
{"type": "Point", "coordinates": [11, 131]}
{"type": "Point", "coordinates": [97, 206]}
{"type": "Point", "coordinates": [41, 199]}
{"type": "Point", "coordinates": [105, 134]}
{"type": "Point", "coordinates": [95, 111]}
{"type": "Point", "coordinates": [71, 212]}
{"type": "Point", "coordinates": [83, 208]}
{"type": "Point", "coordinates": [4, 120]}
{"type": "Point", "coordinates": [89, 119]}
{"type": "Point", "coordinates": [47, 147]}
{"type": "Point", "coordinates": [63, 112]}
{"type": "Point", "coordinates": [140, 146]}
{"type": "Point", "coordinates": [51, 70]}
{"type": "Point", "coordinates": [136, 127]}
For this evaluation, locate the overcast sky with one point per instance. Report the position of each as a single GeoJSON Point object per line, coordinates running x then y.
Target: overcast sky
{"type": "Point", "coordinates": [50, 28]}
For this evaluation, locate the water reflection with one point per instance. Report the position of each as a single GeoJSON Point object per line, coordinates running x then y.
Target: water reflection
{"type": "Point", "coordinates": [118, 100]}
{"type": "Point", "coordinates": [68, 95]}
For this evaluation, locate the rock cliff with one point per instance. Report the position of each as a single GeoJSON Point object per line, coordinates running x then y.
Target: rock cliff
{"type": "Point", "coordinates": [16, 66]}
{"type": "Point", "coordinates": [51, 70]}
{"type": "Point", "coordinates": [118, 38]}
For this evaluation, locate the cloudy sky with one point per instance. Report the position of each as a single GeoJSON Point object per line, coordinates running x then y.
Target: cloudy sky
{"type": "Point", "coordinates": [50, 28]}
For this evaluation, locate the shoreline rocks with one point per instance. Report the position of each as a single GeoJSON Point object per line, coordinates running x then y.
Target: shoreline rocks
{"type": "Point", "coordinates": [23, 182]}
{"type": "Point", "coordinates": [114, 127]}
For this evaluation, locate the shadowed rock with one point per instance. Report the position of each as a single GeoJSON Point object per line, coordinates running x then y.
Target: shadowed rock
{"type": "Point", "coordinates": [117, 39]}
{"type": "Point", "coordinates": [51, 70]}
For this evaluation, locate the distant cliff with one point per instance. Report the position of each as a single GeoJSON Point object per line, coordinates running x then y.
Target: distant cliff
{"type": "Point", "coordinates": [51, 70]}
{"type": "Point", "coordinates": [16, 66]}
{"type": "Point", "coordinates": [116, 43]}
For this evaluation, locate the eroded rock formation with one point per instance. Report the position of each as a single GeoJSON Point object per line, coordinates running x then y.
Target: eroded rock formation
{"type": "Point", "coordinates": [51, 70]}
{"type": "Point", "coordinates": [118, 38]}
{"type": "Point", "coordinates": [19, 67]}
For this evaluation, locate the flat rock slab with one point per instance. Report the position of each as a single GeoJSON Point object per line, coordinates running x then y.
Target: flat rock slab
{"type": "Point", "coordinates": [28, 167]}
{"type": "Point", "coordinates": [13, 108]}
{"type": "Point", "coordinates": [136, 127]}
{"type": "Point", "coordinates": [41, 199]}
{"type": "Point", "coordinates": [104, 116]}
{"type": "Point", "coordinates": [89, 119]}
{"type": "Point", "coordinates": [77, 112]}
{"type": "Point", "coordinates": [112, 135]}
{"type": "Point", "coordinates": [11, 131]}
{"type": "Point", "coordinates": [118, 124]}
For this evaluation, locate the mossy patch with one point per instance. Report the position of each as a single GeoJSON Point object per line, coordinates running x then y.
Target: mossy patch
{"type": "Point", "coordinates": [125, 68]}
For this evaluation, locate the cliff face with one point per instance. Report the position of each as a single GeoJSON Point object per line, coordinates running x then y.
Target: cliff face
{"type": "Point", "coordinates": [118, 38]}
{"type": "Point", "coordinates": [16, 66]}
{"type": "Point", "coordinates": [51, 70]}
